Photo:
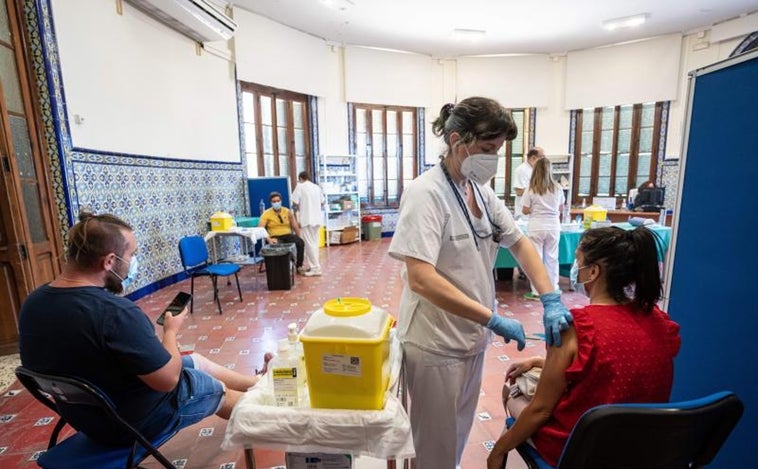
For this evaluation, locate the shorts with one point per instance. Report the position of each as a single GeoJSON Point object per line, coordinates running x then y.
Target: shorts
{"type": "Point", "coordinates": [197, 395]}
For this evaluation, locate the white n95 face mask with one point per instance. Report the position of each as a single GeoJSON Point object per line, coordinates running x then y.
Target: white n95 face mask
{"type": "Point", "coordinates": [480, 168]}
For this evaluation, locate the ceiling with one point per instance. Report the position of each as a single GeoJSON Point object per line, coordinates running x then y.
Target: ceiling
{"type": "Point", "coordinates": [511, 27]}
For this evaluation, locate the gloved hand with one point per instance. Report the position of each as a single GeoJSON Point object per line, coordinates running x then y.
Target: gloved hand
{"type": "Point", "coordinates": [508, 329]}
{"type": "Point", "coordinates": [556, 317]}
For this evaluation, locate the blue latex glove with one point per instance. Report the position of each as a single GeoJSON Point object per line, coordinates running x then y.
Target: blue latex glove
{"type": "Point", "coordinates": [556, 317]}
{"type": "Point", "coordinates": [508, 329]}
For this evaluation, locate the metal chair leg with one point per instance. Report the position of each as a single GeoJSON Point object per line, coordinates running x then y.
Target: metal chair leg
{"type": "Point", "coordinates": [239, 290]}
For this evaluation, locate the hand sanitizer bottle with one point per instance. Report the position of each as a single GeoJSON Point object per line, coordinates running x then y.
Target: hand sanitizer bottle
{"type": "Point", "coordinates": [289, 382]}
{"type": "Point", "coordinates": [296, 347]}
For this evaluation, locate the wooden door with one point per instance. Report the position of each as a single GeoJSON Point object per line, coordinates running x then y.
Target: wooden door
{"type": "Point", "coordinates": [29, 243]}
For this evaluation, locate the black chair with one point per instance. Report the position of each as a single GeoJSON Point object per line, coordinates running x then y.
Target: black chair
{"type": "Point", "coordinates": [685, 434]}
{"type": "Point", "coordinates": [72, 396]}
{"type": "Point", "coordinates": [196, 263]}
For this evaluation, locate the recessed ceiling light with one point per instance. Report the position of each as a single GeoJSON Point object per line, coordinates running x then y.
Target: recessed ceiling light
{"type": "Point", "coordinates": [471, 35]}
{"type": "Point", "coordinates": [626, 22]}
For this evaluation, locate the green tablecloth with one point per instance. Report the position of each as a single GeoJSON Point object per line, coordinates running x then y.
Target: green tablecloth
{"type": "Point", "coordinates": [247, 222]}
{"type": "Point", "coordinates": [570, 240]}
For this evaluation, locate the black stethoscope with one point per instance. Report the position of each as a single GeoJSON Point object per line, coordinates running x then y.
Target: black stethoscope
{"type": "Point", "coordinates": [497, 232]}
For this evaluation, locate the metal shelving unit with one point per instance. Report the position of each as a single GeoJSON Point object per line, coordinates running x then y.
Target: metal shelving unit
{"type": "Point", "coordinates": [338, 178]}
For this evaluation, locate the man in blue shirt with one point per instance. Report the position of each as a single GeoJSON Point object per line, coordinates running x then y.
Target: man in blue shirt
{"type": "Point", "coordinates": [77, 325]}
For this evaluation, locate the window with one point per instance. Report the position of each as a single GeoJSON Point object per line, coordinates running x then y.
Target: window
{"type": "Point", "coordinates": [276, 132]}
{"type": "Point", "coordinates": [386, 141]}
{"type": "Point", "coordinates": [514, 153]}
{"type": "Point", "coordinates": [616, 148]}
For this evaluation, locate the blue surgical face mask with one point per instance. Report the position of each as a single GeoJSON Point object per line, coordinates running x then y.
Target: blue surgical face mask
{"type": "Point", "coordinates": [276, 205]}
{"type": "Point", "coordinates": [133, 266]}
{"type": "Point", "coordinates": [574, 279]}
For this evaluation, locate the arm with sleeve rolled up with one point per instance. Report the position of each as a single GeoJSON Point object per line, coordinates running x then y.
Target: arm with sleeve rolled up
{"type": "Point", "coordinates": [550, 388]}
{"type": "Point", "coordinates": [556, 316]}
{"type": "Point", "coordinates": [425, 281]}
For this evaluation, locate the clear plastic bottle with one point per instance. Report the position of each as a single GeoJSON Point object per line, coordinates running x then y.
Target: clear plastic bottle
{"type": "Point", "coordinates": [288, 377]}
{"type": "Point", "coordinates": [261, 208]}
{"type": "Point", "coordinates": [296, 347]}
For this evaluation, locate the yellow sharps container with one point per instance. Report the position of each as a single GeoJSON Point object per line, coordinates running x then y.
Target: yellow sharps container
{"type": "Point", "coordinates": [594, 213]}
{"type": "Point", "coordinates": [346, 348]}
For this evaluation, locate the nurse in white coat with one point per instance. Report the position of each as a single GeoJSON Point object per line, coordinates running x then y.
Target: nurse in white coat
{"type": "Point", "coordinates": [543, 202]}
{"type": "Point", "coordinates": [449, 229]}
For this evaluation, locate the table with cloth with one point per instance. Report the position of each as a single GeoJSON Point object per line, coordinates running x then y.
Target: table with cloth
{"type": "Point", "coordinates": [383, 434]}
{"type": "Point", "coordinates": [569, 240]}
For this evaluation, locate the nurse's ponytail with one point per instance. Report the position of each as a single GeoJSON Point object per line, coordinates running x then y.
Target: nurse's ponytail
{"type": "Point", "coordinates": [474, 119]}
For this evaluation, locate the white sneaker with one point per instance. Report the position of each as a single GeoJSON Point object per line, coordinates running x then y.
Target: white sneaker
{"type": "Point", "coordinates": [302, 271]}
{"type": "Point", "coordinates": [313, 273]}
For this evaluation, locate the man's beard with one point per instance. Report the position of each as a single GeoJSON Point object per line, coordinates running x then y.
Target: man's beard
{"type": "Point", "coordinates": [113, 284]}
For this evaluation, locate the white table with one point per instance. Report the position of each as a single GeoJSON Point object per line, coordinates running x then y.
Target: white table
{"type": "Point", "coordinates": [249, 236]}
{"type": "Point", "coordinates": [383, 434]}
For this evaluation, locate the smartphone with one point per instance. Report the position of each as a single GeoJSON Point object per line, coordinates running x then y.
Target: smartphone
{"type": "Point", "coordinates": [177, 305]}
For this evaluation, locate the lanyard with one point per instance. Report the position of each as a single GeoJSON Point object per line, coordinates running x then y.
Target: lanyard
{"type": "Point", "coordinates": [496, 232]}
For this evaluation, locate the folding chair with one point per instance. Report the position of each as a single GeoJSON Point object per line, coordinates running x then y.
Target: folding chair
{"type": "Point", "coordinates": [195, 260]}
{"type": "Point", "coordinates": [66, 396]}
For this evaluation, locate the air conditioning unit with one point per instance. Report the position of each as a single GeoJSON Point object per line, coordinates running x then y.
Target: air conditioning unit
{"type": "Point", "coordinates": [197, 19]}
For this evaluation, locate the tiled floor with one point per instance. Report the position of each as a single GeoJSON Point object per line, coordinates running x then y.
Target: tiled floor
{"type": "Point", "coordinates": [246, 330]}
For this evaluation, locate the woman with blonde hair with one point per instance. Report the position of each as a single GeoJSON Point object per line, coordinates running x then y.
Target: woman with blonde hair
{"type": "Point", "coordinates": [543, 202]}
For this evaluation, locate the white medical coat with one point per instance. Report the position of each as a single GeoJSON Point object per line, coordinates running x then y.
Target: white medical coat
{"type": "Point", "coordinates": [522, 176]}
{"type": "Point", "coordinates": [308, 197]}
{"type": "Point", "coordinates": [431, 227]}
{"type": "Point", "coordinates": [545, 210]}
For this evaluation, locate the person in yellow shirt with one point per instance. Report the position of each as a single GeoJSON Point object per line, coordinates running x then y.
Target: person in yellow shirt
{"type": "Point", "coordinates": [282, 227]}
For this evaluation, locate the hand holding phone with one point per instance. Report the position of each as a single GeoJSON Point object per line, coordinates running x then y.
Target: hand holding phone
{"type": "Point", "coordinates": [177, 305]}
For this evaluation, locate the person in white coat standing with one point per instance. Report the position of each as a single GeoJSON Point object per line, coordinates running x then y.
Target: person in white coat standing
{"type": "Point", "coordinates": [522, 176]}
{"type": "Point", "coordinates": [308, 199]}
{"type": "Point", "coordinates": [543, 202]}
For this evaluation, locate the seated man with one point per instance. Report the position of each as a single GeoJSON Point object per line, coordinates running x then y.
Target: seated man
{"type": "Point", "coordinates": [77, 325]}
{"type": "Point", "coordinates": [282, 227]}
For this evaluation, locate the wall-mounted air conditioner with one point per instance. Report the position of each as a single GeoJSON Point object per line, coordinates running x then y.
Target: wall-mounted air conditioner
{"type": "Point", "coordinates": [197, 19]}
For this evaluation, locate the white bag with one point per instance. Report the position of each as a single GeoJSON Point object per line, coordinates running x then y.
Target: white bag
{"type": "Point", "coordinates": [527, 382]}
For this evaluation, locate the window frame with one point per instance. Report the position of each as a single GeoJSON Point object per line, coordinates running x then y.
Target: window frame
{"type": "Point", "coordinates": [289, 97]}
{"type": "Point", "coordinates": [657, 144]}
{"type": "Point", "coordinates": [370, 201]}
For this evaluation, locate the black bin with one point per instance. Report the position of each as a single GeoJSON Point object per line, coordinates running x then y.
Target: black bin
{"type": "Point", "coordinates": [278, 258]}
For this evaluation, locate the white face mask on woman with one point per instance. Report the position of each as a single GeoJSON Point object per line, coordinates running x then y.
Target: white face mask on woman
{"type": "Point", "coordinates": [480, 167]}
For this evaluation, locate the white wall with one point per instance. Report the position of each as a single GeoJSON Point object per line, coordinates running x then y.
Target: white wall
{"type": "Point", "coordinates": [141, 88]}
{"type": "Point", "coordinates": [515, 82]}
{"type": "Point", "coordinates": [268, 53]}
{"type": "Point", "coordinates": [637, 72]}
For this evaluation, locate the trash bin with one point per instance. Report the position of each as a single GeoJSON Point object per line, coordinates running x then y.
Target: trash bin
{"type": "Point", "coordinates": [371, 227]}
{"type": "Point", "coordinates": [278, 259]}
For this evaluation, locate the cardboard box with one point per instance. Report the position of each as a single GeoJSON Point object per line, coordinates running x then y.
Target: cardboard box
{"type": "Point", "coordinates": [334, 237]}
{"type": "Point", "coordinates": [318, 461]}
{"type": "Point", "coordinates": [350, 234]}
{"type": "Point", "coordinates": [347, 235]}
{"type": "Point", "coordinates": [347, 204]}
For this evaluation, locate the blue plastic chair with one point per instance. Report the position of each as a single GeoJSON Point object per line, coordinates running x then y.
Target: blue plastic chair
{"type": "Point", "coordinates": [646, 436]}
{"type": "Point", "coordinates": [195, 260]}
{"type": "Point", "coordinates": [68, 396]}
